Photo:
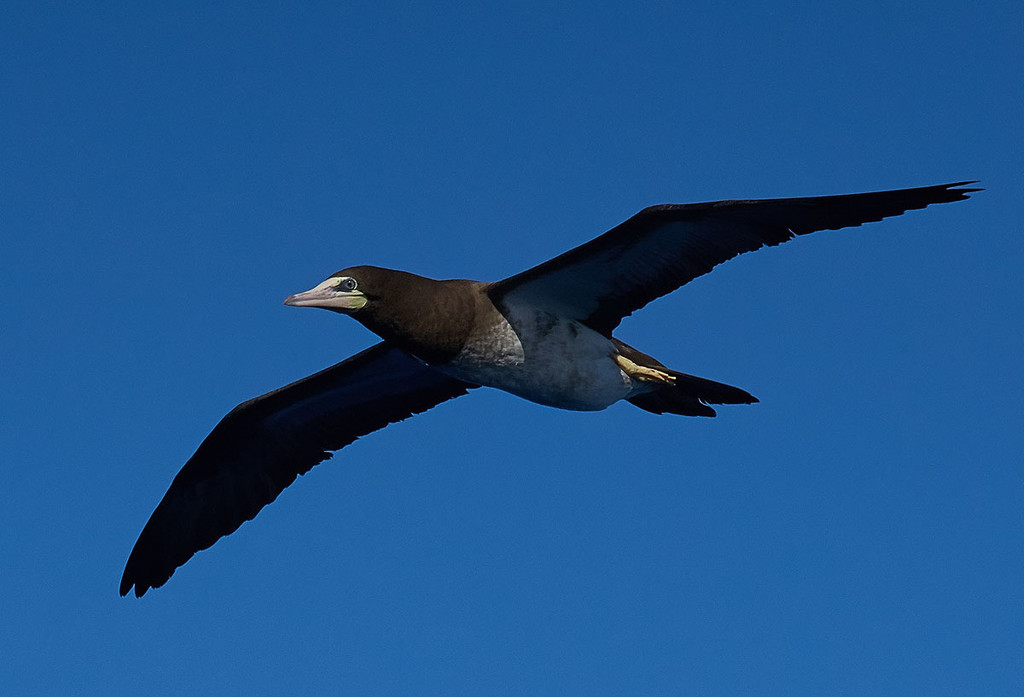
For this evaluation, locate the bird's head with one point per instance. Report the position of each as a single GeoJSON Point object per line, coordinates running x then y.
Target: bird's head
{"type": "Point", "coordinates": [430, 319]}
{"type": "Point", "coordinates": [366, 291]}
{"type": "Point", "coordinates": [348, 291]}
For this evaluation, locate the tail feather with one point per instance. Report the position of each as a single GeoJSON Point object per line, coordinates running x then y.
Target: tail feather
{"type": "Point", "coordinates": [667, 400]}
{"type": "Point", "coordinates": [710, 391]}
{"type": "Point", "coordinates": [688, 395]}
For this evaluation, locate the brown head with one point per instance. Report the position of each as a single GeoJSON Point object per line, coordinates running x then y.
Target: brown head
{"type": "Point", "coordinates": [430, 319]}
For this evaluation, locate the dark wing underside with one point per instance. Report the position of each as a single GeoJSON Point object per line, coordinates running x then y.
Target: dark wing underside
{"type": "Point", "coordinates": [663, 247]}
{"type": "Point", "coordinates": [262, 445]}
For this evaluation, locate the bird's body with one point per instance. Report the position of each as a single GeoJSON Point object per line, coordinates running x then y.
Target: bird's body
{"type": "Point", "coordinates": [482, 336]}
{"type": "Point", "coordinates": [544, 334]}
{"type": "Point", "coordinates": [540, 356]}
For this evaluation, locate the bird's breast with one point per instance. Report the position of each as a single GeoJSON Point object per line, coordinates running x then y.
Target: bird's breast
{"type": "Point", "coordinates": [544, 358]}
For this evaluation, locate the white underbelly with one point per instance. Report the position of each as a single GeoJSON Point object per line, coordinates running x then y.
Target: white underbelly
{"type": "Point", "coordinates": [545, 359]}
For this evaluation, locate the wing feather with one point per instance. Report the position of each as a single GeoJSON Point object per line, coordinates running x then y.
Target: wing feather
{"type": "Point", "coordinates": [664, 247]}
{"type": "Point", "coordinates": [262, 445]}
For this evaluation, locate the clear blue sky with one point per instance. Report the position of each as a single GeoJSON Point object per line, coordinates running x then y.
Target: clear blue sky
{"type": "Point", "coordinates": [168, 176]}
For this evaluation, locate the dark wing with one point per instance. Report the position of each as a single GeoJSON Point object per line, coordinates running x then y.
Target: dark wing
{"type": "Point", "coordinates": [663, 247]}
{"type": "Point", "coordinates": [262, 445]}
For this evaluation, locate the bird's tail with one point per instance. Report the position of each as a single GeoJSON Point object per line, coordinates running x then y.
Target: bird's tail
{"type": "Point", "coordinates": [687, 394]}
{"type": "Point", "coordinates": [690, 395]}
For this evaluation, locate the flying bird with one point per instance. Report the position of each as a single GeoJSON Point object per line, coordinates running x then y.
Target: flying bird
{"type": "Point", "coordinates": [544, 334]}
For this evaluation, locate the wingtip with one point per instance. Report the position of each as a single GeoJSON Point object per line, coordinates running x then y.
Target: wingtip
{"type": "Point", "coordinates": [140, 589]}
{"type": "Point", "coordinates": [127, 584]}
{"type": "Point", "coordinates": [132, 578]}
{"type": "Point", "coordinates": [963, 188]}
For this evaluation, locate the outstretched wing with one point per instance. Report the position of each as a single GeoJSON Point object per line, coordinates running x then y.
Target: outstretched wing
{"type": "Point", "coordinates": [262, 445]}
{"type": "Point", "coordinates": [663, 247]}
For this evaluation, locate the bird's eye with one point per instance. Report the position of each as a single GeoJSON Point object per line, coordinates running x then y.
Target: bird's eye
{"type": "Point", "coordinates": [347, 284]}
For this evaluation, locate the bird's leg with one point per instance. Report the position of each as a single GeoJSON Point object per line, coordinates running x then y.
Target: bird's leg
{"type": "Point", "coordinates": [642, 372]}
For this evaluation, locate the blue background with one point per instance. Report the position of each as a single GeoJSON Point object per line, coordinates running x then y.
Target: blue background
{"type": "Point", "coordinates": [169, 174]}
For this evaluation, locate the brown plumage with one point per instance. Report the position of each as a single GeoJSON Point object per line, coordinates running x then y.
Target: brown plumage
{"type": "Point", "coordinates": [544, 334]}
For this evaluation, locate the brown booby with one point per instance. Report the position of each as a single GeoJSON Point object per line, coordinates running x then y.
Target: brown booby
{"type": "Point", "coordinates": [544, 334]}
